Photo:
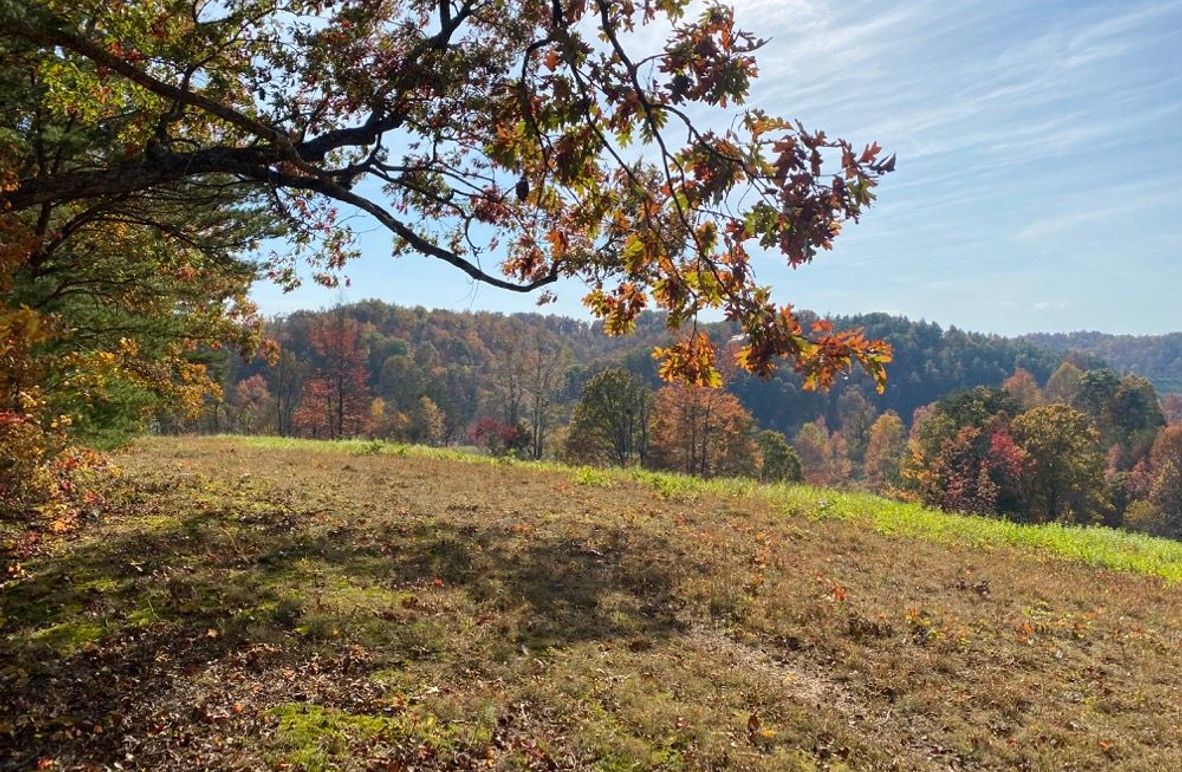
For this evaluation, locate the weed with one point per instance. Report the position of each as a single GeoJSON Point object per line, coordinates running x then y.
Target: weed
{"type": "Point", "coordinates": [371, 448]}
{"type": "Point", "coordinates": [598, 478]}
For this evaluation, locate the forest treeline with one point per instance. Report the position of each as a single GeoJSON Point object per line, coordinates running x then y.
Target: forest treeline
{"type": "Point", "coordinates": [466, 363]}
{"type": "Point", "coordinates": [972, 423]}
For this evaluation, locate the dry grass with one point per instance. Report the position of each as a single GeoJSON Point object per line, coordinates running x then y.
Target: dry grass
{"type": "Point", "coordinates": [249, 606]}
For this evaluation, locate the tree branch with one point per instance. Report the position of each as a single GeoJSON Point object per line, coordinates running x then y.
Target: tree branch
{"type": "Point", "coordinates": [403, 231]}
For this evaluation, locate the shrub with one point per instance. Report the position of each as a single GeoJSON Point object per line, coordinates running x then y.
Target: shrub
{"type": "Point", "coordinates": [1144, 516]}
{"type": "Point", "coordinates": [495, 437]}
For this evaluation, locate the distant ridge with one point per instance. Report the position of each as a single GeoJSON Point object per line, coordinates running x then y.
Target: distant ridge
{"type": "Point", "coordinates": [1156, 357]}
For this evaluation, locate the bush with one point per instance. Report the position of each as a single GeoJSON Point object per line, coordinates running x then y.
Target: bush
{"type": "Point", "coordinates": [499, 439]}
{"type": "Point", "coordinates": [1146, 517]}
{"type": "Point", "coordinates": [44, 488]}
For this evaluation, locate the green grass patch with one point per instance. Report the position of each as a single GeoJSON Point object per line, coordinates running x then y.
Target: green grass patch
{"type": "Point", "coordinates": [1096, 545]}
{"type": "Point", "coordinates": [68, 638]}
{"type": "Point", "coordinates": [314, 736]}
{"type": "Point", "coordinates": [597, 478]}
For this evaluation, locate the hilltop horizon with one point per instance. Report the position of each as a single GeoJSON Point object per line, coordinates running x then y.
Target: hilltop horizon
{"type": "Point", "coordinates": [340, 297]}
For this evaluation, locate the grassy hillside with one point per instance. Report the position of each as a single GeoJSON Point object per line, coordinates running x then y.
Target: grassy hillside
{"type": "Point", "coordinates": [268, 604]}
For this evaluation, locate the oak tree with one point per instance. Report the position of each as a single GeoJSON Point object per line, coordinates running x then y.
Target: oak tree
{"type": "Point", "coordinates": [537, 135]}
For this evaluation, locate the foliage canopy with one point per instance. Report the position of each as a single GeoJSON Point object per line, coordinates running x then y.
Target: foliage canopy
{"type": "Point", "coordinates": [532, 131]}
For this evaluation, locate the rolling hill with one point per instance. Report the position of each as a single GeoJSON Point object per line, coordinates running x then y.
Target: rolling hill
{"type": "Point", "coordinates": [252, 604]}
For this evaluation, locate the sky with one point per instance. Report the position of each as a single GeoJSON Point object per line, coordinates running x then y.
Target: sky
{"type": "Point", "coordinates": [1039, 178]}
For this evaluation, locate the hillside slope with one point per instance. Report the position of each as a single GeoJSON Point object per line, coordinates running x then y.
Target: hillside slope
{"type": "Point", "coordinates": [463, 361]}
{"type": "Point", "coordinates": [256, 604]}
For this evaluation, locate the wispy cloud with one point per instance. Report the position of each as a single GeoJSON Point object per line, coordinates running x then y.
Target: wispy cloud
{"type": "Point", "coordinates": [1032, 139]}
{"type": "Point", "coordinates": [1136, 203]}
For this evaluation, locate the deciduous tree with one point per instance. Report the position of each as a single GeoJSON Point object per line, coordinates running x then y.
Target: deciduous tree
{"type": "Point", "coordinates": [611, 421]}
{"type": "Point", "coordinates": [339, 384]}
{"type": "Point", "coordinates": [1095, 394]}
{"type": "Point", "coordinates": [884, 452]}
{"type": "Point", "coordinates": [253, 400]}
{"type": "Point", "coordinates": [1136, 413]}
{"type": "Point", "coordinates": [962, 456]}
{"type": "Point", "coordinates": [496, 437]}
{"type": "Point", "coordinates": [401, 381]}
{"type": "Point", "coordinates": [288, 374]}
{"type": "Point", "coordinates": [1063, 385]}
{"type": "Point", "coordinates": [703, 431]}
{"type": "Point", "coordinates": [778, 461]}
{"type": "Point", "coordinates": [546, 361]}
{"type": "Point", "coordinates": [855, 416]}
{"type": "Point", "coordinates": [824, 457]}
{"type": "Point", "coordinates": [1066, 473]}
{"type": "Point", "coordinates": [464, 128]}
{"type": "Point", "coordinates": [508, 376]}
{"type": "Point", "coordinates": [428, 424]}
{"type": "Point", "coordinates": [1157, 481]}
{"type": "Point", "coordinates": [387, 421]}
{"type": "Point", "coordinates": [1023, 388]}
{"type": "Point", "coordinates": [1171, 405]}
{"type": "Point", "coordinates": [314, 410]}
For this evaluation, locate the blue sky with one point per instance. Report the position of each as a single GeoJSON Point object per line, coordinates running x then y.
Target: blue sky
{"type": "Point", "coordinates": [1039, 183]}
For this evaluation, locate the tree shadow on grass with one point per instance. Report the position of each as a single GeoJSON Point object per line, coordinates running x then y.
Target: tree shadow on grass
{"type": "Point", "coordinates": [118, 624]}
{"type": "Point", "coordinates": [573, 589]}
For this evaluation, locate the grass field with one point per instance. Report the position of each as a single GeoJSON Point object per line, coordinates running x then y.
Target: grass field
{"type": "Point", "coordinates": [247, 604]}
